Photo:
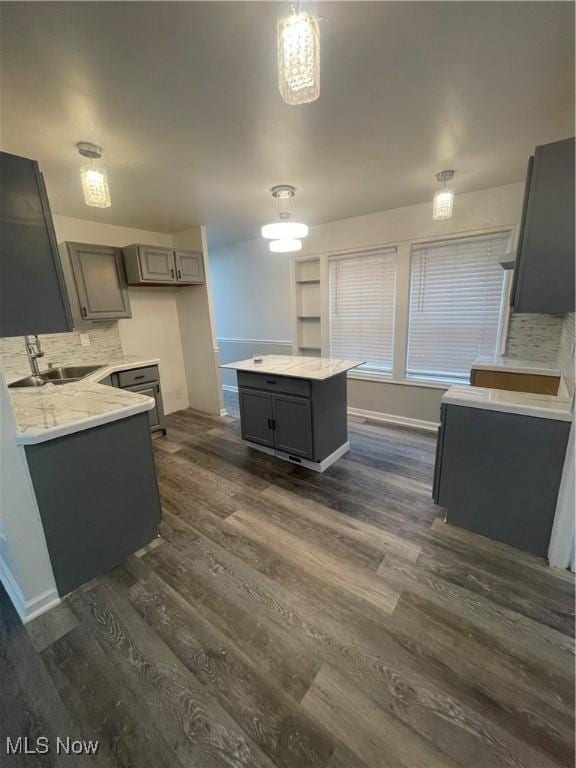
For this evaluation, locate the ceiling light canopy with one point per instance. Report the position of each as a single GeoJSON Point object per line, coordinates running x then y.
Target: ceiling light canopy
{"type": "Point", "coordinates": [284, 233]}
{"type": "Point", "coordinates": [443, 203]}
{"type": "Point", "coordinates": [94, 180]}
{"type": "Point", "coordinates": [299, 57]}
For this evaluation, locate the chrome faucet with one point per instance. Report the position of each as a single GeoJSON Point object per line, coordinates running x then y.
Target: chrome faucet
{"type": "Point", "coordinates": [34, 351]}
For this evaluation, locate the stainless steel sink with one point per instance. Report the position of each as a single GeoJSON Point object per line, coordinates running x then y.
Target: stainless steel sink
{"type": "Point", "coordinates": [56, 375]}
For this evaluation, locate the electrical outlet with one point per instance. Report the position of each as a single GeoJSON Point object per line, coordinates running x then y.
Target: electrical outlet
{"type": "Point", "coordinates": [84, 340]}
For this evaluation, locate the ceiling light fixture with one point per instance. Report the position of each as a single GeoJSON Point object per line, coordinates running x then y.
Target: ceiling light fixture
{"type": "Point", "coordinates": [286, 245]}
{"type": "Point", "coordinates": [285, 234]}
{"type": "Point", "coordinates": [299, 57]}
{"type": "Point", "coordinates": [94, 180]}
{"type": "Point", "coordinates": [443, 199]}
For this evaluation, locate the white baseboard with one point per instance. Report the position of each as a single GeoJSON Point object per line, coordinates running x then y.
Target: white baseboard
{"type": "Point", "coordinates": [26, 609]}
{"type": "Point", "coordinates": [392, 418]}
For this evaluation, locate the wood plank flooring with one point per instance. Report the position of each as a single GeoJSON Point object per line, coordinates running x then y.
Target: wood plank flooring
{"type": "Point", "coordinates": [293, 620]}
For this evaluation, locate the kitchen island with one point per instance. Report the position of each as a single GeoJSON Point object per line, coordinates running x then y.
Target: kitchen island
{"type": "Point", "coordinates": [295, 408]}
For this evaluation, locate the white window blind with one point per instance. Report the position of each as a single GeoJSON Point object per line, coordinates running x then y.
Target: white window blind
{"type": "Point", "coordinates": [456, 297]}
{"type": "Point", "coordinates": [362, 289]}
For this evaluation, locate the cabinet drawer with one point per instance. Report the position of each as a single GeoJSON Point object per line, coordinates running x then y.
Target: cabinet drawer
{"type": "Point", "coordinates": [285, 384]}
{"type": "Point", "coordinates": [516, 382]}
{"type": "Point", "coordinates": [137, 376]}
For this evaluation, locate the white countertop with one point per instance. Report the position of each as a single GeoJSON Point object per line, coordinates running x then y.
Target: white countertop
{"type": "Point", "coordinates": [515, 365]}
{"type": "Point", "coordinates": [523, 403]}
{"type": "Point", "coordinates": [317, 368]}
{"type": "Point", "coordinates": [53, 410]}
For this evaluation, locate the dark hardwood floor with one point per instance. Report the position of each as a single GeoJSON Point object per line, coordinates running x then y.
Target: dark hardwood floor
{"type": "Point", "coordinates": [292, 619]}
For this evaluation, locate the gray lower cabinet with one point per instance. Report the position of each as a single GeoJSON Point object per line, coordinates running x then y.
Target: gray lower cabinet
{"type": "Point", "coordinates": [33, 296]}
{"type": "Point", "coordinates": [153, 265]}
{"type": "Point", "coordinates": [498, 474]}
{"type": "Point", "coordinates": [96, 282]}
{"type": "Point", "coordinates": [144, 381]}
{"type": "Point", "coordinates": [544, 270]}
{"type": "Point", "coordinates": [256, 417]}
{"type": "Point", "coordinates": [293, 425]}
{"type": "Point", "coordinates": [97, 496]}
{"type": "Point", "coordinates": [297, 418]}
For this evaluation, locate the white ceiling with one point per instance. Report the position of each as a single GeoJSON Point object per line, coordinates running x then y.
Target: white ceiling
{"type": "Point", "coordinates": [183, 98]}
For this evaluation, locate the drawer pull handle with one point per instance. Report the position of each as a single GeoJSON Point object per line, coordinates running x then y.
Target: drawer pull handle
{"type": "Point", "coordinates": [138, 377]}
{"type": "Point", "coordinates": [270, 381]}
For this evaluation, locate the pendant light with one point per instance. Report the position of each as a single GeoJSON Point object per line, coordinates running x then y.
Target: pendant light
{"type": "Point", "coordinates": [94, 179]}
{"type": "Point", "coordinates": [298, 38]}
{"type": "Point", "coordinates": [444, 198]}
{"type": "Point", "coordinates": [284, 233]}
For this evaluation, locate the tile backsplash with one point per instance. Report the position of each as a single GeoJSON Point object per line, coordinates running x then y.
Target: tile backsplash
{"type": "Point", "coordinates": [63, 348]}
{"type": "Point", "coordinates": [566, 354]}
{"type": "Point", "coordinates": [534, 337]}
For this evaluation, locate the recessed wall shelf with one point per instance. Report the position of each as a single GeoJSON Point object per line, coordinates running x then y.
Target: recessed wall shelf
{"type": "Point", "coordinates": [307, 307]}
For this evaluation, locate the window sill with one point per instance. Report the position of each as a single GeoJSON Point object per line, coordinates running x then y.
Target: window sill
{"type": "Point", "coordinates": [386, 378]}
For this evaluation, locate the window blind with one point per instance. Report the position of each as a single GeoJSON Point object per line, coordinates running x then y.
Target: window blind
{"type": "Point", "coordinates": [362, 290]}
{"type": "Point", "coordinates": [456, 297]}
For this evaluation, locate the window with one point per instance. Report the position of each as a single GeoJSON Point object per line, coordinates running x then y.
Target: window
{"type": "Point", "coordinates": [361, 294]}
{"type": "Point", "coordinates": [456, 298]}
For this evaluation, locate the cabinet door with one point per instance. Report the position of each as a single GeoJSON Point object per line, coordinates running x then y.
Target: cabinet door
{"type": "Point", "coordinates": [189, 266]}
{"type": "Point", "coordinates": [33, 297]}
{"type": "Point", "coordinates": [293, 425]}
{"type": "Point", "coordinates": [156, 414]}
{"type": "Point", "coordinates": [256, 417]}
{"type": "Point", "coordinates": [544, 279]}
{"type": "Point", "coordinates": [99, 280]}
{"type": "Point", "coordinates": [156, 264]}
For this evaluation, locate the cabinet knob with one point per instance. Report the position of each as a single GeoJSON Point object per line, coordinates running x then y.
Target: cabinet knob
{"type": "Point", "coordinates": [84, 312]}
{"type": "Point", "coordinates": [179, 275]}
{"type": "Point", "coordinates": [172, 273]}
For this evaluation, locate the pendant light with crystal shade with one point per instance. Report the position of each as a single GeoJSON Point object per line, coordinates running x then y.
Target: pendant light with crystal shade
{"type": "Point", "coordinates": [443, 199]}
{"type": "Point", "coordinates": [284, 233]}
{"type": "Point", "coordinates": [299, 57]}
{"type": "Point", "coordinates": [94, 179]}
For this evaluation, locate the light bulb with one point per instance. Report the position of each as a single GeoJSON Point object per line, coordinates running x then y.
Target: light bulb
{"type": "Point", "coordinates": [443, 204]}
{"type": "Point", "coordinates": [286, 245]}
{"type": "Point", "coordinates": [299, 58]}
{"type": "Point", "coordinates": [280, 230]}
{"type": "Point", "coordinates": [95, 187]}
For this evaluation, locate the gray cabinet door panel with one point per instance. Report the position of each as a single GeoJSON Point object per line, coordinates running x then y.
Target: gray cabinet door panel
{"type": "Point", "coordinates": [156, 414]}
{"type": "Point", "coordinates": [156, 264]}
{"type": "Point", "coordinates": [500, 474]}
{"type": "Point", "coordinates": [33, 297]}
{"type": "Point", "coordinates": [545, 268]}
{"type": "Point", "coordinates": [256, 417]}
{"type": "Point", "coordinates": [293, 425]}
{"type": "Point", "coordinates": [189, 266]}
{"type": "Point", "coordinates": [100, 283]}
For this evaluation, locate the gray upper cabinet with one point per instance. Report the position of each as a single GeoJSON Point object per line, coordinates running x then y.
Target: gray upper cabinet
{"type": "Point", "coordinates": [153, 265]}
{"type": "Point", "coordinates": [96, 282]}
{"type": "Point", "coordinates": [544, 272]}
{"type": "Point", "coordinates": [189, 267]}
{"type": "Point", "coordinates": [33, 296]}
{"type": "Point", "coordinates": [149, 264]}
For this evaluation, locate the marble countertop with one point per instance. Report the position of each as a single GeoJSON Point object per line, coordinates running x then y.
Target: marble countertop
{"type": "Point", "coordinates": [523, 403]}
{"type": "Point", "coordinates": [317, 368]}
{"type": "Point", "coordinates": [55, 410]}
{"type": "Point", "coordinates": [515, 365]}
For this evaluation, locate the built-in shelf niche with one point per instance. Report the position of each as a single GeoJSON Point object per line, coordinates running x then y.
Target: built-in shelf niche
{"type": "Point", "coordinates": [307, 308]}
